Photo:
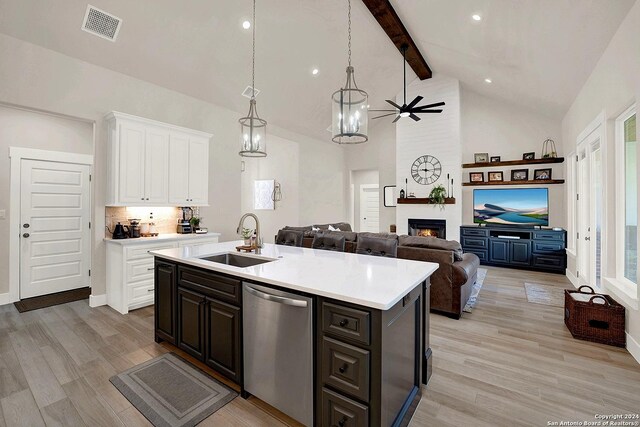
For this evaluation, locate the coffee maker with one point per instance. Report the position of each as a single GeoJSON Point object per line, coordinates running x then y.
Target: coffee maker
{"type": "Point", "coordinates": [184, 223]}
{"type": "Point", "coordinates": [134, 228]}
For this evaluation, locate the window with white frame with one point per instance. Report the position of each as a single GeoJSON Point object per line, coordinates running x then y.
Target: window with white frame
{"type": "Point", "coordinates": [627, 196]}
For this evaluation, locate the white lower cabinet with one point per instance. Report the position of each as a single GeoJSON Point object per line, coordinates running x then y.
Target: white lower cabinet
{"type": "Point", "coordinates": [130, 269]}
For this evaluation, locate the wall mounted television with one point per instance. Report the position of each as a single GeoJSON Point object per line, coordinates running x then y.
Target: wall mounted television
{"type": "Point", "coordinates": [513, 206]}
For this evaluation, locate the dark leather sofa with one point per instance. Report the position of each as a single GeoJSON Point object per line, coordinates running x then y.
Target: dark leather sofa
{"type": "Point", "coordinates": [450, 284]}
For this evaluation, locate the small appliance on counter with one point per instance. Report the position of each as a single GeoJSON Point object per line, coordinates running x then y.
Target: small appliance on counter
{"type": "Point", "coordinates": [119, 232]}
{"type": "Point", "coordinates": [184, 223]}
{"type": "Point", "coordinates": [134, 228]}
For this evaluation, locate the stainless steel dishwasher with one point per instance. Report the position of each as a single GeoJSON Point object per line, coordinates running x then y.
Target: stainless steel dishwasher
{"type": "Point", "coordinates": [278, 349]}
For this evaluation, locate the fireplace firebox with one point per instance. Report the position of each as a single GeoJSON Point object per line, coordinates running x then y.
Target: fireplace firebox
{"type": "Point", "coordinates": [428, 227]}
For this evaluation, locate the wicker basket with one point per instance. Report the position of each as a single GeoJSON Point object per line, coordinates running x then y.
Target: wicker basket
{"type": "Point", "coordinates": [592, 321]}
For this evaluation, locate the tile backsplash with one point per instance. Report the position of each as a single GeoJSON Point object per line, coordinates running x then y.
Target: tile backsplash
{"type": "Point", "coordinates": [165, 218]}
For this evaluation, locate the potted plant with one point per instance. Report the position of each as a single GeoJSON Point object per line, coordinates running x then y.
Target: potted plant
{"type": "Point", "coordinates": [195, 223]}
{"type": "Point", "coordinates": [438, 195]}
{"type": "Point", "coordinates": [246, 235]}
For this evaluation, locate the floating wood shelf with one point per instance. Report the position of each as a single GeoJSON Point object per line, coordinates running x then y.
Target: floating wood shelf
{"type": "Point", "coordinates": [514, 163]}
{"type": "Point", "coordinates": [529, 182]}
{"type": "Point", "coordinates": [424, 201]}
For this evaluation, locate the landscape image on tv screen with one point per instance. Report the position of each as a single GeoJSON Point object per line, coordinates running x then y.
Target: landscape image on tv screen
{"type": "Point", "coordinates": [521, 206]}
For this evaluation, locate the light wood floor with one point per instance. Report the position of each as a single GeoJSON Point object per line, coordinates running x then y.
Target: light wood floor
{"type": "Point", "coordinates": [508, 363]}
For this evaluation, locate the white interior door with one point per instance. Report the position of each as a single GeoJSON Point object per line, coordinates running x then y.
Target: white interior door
{"type": "Point", "coordinates": [589, 211]}
{"type": "Point", "coordinates": [369, 208]}
{"type": "Point", "coordinates": [55, 237]}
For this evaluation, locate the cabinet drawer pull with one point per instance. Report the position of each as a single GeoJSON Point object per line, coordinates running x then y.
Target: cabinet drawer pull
{"type": "Point", "coordinates": [344, 322]}
{"type": "Point", "coordinates": [342, 422]}
{"type": "Point", "coordinates": [150, 269]}
{"type": "Point", "coordinates": [149, 290]}
{"type": "Point", "coordinates": [343, 368]}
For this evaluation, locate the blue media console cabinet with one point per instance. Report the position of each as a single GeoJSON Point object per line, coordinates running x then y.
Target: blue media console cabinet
{"type": "Point", "coordinates": [526, 248]}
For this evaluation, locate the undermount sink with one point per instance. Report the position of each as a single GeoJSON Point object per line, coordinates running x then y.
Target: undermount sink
{"type": "Point", "coordinates": [237, 260]}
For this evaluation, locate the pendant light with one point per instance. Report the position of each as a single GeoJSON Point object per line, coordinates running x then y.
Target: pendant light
{"type": "Point", "coordinates": [253, 129]}
{"type": "Point", "coordinates": [349, 108]}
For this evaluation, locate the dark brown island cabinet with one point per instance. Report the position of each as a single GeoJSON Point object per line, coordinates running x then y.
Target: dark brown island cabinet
{"type": "Point", "coordinates": [369, 364]}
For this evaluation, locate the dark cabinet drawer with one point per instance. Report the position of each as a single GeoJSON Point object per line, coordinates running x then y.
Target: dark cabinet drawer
{"type": "Point", "coordinates": [346, 322]}
{"type": "Point", "coordinates": [346, 368]}
{"type": "Point", "coordinates": [548, 261]}
{"type": "Point", "coordinates": [546, 235]}
{"type": "Point", "coordinates": [475, 232]}
{"type": "Point", "coordinates": [474, 242]}
{"type": "Point", "coordinates": [337, 410]}
{"type": "Point", "coordinates": [548, 246]}
{"type": "Point", "coordinates": [210, 284]}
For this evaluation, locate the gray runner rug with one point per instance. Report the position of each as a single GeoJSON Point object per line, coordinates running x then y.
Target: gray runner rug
{"type": "Point", "coordinates": [171, 392]}
{"type": "Point", "coordinates": [475, 290]}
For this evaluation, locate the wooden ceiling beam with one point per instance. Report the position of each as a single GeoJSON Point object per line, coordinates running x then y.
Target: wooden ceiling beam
{"type": "Point", "coordinates": [390, 22]}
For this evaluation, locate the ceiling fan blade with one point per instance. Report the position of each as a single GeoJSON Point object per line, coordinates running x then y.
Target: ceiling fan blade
{"type": "Point", "coordinates": [384, 115]}
{"type": "Point", "coordinates": [414, 102]}
{"type": "Point", "coordinates": [437, 104]}
{"type": "Point", "coordinates": [426, 111]}
{"type": "Point", "coordinates": [394, 104]}
{"type": "Point", "coordinates": [414, 117]}
{"type": "Point", "coordinates": [397, 118]}
{"type": "Point", "coordinates": [381, 110]}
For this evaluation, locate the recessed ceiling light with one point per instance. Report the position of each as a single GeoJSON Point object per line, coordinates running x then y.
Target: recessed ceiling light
{"type": "Point", "coordinates": [315, 71]}
{"type": "Point", "coordinates": [476, 17]}
{"type": "Point", "coordinates": [246, 25]}
{"type": "Point", "coordinates": [488, 80]}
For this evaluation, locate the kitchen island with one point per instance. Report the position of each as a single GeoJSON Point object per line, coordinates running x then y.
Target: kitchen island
{"type": "Point", "coordinates": [329, 338]}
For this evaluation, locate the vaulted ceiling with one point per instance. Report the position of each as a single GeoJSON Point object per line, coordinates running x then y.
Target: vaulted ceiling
{"type": "Point", "coordinates": [538, 53]}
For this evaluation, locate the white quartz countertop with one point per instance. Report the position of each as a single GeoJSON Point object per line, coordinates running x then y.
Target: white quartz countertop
{"type": "Point", "coordinates": [370, 281]}
{"type": "Point", "coordinates": [161, 238]}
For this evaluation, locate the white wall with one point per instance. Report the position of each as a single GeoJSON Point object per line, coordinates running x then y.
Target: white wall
{"type": "Point", "coordinates": [28, 129]}
{"type": "Point", "coordinates": [612, 87]}
{"type": "Point", "coordinates": [378, 153]}
{"type": "Point", "coordinates": [41, 78]}
{"type": "Point", "coordinates": [502, 129]}
{"type": "Point", "coordinates": [437, 135]}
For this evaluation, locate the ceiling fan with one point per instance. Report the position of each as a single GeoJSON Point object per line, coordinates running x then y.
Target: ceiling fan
{"type": "Point", "coordinates": [411, 109]}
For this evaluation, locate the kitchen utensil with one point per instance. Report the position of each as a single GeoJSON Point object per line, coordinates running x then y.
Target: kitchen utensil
{"type": "Point", "coordinates": [120, 231]}
{"type": "Point", "coordinates": [134, 228]}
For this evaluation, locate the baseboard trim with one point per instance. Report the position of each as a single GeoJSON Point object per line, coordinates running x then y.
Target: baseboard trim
{"type": "Point", "coordinates": [572, 278]}
{"type": "Point", "coordinates": [5, 298]}
{"type": "Point", "coordinates": [97, 300]}
{"type": "Point", "coordinates": [633, 347]}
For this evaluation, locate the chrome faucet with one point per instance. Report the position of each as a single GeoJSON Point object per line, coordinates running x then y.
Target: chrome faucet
{"type": "Point", "coordinates": [258, 238]}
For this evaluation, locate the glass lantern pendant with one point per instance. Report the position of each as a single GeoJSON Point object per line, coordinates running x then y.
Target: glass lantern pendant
{"type": "Point", "coordinates": [253, 133]}
{"type": "Point", "coordinates": [253, 129]}
{"type": "Point", "coordinates": [350, 109]}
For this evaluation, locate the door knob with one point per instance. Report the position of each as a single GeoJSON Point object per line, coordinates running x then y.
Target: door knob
{"type": "Point", "coordinates": [26, 225]}
{"type": "Point", "coordinates": [25, 235]}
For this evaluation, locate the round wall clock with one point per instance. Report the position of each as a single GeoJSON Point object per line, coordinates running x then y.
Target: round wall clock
{"type": "Point", "coordinates": [426, 170]}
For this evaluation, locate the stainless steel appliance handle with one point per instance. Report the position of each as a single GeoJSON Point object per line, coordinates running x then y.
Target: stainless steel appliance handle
{"type": "Point", "coordinates": [275, 298]}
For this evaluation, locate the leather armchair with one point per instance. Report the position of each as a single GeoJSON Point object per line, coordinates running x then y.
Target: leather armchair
{"type": "Point", "coordinates": [329, 241]}
{"type": "Point", "coordinates": [289, 237]}
{"type": "Point", "coordinates": [377, 244]}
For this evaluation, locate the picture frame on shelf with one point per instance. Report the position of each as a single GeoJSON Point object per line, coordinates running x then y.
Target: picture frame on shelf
{"type": "Point", "coordinates": [481, 157]}
{"type": "Point", "coordinates": [542, 174]}
{"type": "Point", "coordinates": [494, 159]}
{"type": "Point", "coordinates": [476, 176]}
{"type": "Point", "coordinates": [529, 156]}
{"type": "Point", "coordinates": [496, 176]}
{"type": "Point", "coordinates": [520, 175]}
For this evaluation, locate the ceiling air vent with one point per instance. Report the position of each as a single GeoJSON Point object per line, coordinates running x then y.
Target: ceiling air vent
{"type": "Point", "coordinates": [100, 23]}
{"type": "Point", "coordinates": [249, 90]}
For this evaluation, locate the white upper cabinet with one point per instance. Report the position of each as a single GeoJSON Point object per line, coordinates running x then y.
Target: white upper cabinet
{"type": "Point", "coordinates": [188, 169]}
{"type": "Point", "coordinates": [156, 164]}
